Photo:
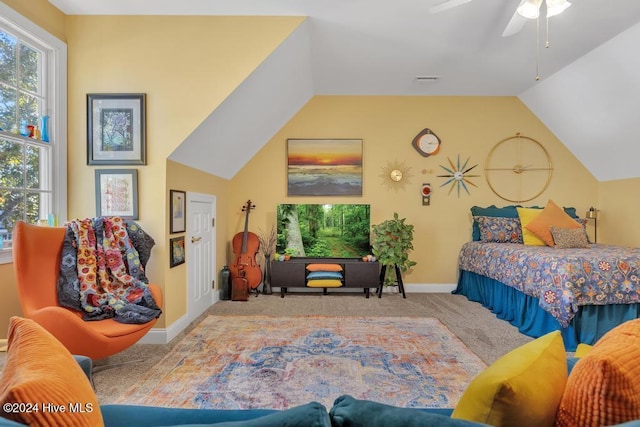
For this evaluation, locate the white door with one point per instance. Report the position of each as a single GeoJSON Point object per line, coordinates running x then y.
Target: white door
{"type": "Point", "coordinates": [201, 252]}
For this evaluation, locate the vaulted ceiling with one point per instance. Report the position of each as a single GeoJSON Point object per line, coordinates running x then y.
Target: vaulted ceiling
{"type": "Point", "coordinates": [588, 93]}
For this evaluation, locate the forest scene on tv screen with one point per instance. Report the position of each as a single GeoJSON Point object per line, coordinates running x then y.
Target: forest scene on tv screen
{"type": "Point", "coordinates": [315, 230]}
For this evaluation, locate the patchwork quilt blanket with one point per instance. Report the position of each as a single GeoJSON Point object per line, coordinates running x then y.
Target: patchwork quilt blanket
{"type": "Point", "coordinates": [102, 272]}
{"type": "Point", "coordinates": [562, 279]}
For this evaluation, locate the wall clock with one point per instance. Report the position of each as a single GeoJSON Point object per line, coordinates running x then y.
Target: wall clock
{"type": "Point", "coordinates": [426, 143]}
{"type": "Point", "coordinates": [395, 175]}
{"type": "Point", "coordinates": [518, 169]}
{"type": "Point", "coordinates": [458, 175]}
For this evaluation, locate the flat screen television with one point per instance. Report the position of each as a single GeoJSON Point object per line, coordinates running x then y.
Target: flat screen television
{"type": "Point", "coordinates": [324, 230]}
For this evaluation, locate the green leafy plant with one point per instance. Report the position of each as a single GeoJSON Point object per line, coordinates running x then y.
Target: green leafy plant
{"type": "Point", "coordinates": [392, 241]}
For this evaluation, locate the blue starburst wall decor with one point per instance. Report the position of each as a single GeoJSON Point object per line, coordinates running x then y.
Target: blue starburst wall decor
{"type": "Point", "coordinates": [458, 176]}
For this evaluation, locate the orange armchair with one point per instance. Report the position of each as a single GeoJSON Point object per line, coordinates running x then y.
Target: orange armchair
{"type": "Point", "coordinates": [36, 259]}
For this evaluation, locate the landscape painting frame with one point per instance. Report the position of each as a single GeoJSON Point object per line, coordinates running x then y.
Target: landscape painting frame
{"type": "Point", "coordinates": [324, 167]}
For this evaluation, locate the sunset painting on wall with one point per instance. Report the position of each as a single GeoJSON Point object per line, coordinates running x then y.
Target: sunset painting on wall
{"type": "Point", "coordinates": [324, 167]}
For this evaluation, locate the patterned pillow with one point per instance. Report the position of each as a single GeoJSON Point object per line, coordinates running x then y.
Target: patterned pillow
{"type": "Point", "coordinates": [569, 237]}
{"type": "Point", "coordinates": [499, 229]}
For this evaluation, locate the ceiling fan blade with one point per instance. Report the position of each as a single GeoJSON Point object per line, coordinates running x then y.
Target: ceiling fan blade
{"type": "Point", "coordinates": [515, 24]}
{"type": "Point", "coordinates": [445, 5]}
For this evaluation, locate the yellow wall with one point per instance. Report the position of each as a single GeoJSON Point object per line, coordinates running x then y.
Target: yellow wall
{"type": "Point", "coordinates": [619, 206]}
{"type": "Point", "coordinates": [41, 13]}
{"type": "Point", "coordinates": [180, 177]}
{"type": "Point", "coordinates": [468, 126]}
{"type": "Point", "coordinates": [187, 66]}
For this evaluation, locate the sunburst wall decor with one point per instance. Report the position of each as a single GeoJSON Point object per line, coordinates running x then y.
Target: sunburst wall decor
{"type": "Point", "coordinates": [395, 175]}
{"type": "Point", "coordinates": [458, 176]}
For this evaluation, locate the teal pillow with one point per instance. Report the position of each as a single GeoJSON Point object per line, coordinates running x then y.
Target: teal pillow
{"type": "Point", "coordinates": [350, 412]}
{"type": "Point", "coordinates": [310, 415]}
{"type": "Point", "coordinates": [324, 275]}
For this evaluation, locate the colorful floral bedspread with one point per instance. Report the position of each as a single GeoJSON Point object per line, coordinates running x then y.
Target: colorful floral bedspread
{"type": "Point", "coordinates": [562, 279]}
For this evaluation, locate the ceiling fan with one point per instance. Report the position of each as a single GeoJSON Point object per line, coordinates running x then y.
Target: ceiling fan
{"type": "Point", "coordinates": [527, 9]}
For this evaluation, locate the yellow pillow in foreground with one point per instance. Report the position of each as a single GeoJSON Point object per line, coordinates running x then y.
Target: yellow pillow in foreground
{"type": "Point", "coordinates": [40, 370]}
{"type": "Point", "coordinates": [523, 388]}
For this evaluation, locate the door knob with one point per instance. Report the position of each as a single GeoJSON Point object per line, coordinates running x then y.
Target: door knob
{"type": "Point", "coordinates": [195, 239]}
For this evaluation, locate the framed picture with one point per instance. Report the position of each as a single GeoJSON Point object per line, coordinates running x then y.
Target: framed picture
{"type": "Point", "coordinates": [177, 219]}
{"type": "Point", "coordinates": [116, 129]}
{"type": "Point", "coordinates": [176, 256]}
{"type": "Point", "coordinates": [324, 167]}
{"type": "Point", "coordinates": [117, 192]}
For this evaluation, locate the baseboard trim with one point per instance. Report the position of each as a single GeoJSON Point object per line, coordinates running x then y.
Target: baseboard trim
{"type": "Point", "coordinates": [165, 335]}
{"type": "Point", "coordinates": [418, 288]}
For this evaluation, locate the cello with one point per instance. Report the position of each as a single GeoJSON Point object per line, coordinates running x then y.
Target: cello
{"type": "Point", "coordinates": [245, 272]}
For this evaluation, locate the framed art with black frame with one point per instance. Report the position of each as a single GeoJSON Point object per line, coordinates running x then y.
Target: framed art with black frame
{"type": "Point", "coordinates": [117, 193]}
{"type": "Point", "coordinates": [177, 211]}
{"type": "Point", "coordinates": [176, 255]}
{"type": "Point", "coordinates": [116, 129]}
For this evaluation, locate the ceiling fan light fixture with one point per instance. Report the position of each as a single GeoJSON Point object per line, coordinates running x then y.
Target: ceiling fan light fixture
{"type": "Point", "coordinates": [530, 9]}
{"type": "Point", "coordinates": [556, 7]}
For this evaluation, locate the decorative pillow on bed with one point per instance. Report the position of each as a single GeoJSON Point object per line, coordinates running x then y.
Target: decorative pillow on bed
{"type": "Point", "coordinates": [526, 216]}
{"type": "Point", "coordinates": [604, 386]}
{"type": "Point", "coordinates": [492, 211]}
{"type": "Point", "coordinates": [499, 229]}
{"type": "Point", "coordinates": [565, 238]}
{"type": "Point", "coordinates": [551, 215]}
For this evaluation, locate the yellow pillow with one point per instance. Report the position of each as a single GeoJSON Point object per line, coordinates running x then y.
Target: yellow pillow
{"type": "Point", "coordinates": [551, 216]}
{"type": "Point", "coordinates": [523, 388]}
{"type": "Point", "coordinates": [324, 283]}
{"type": "Point", "coordinates": [582, 350]}
{"type": "Point", "coordinates": [527, 215]}
{"type": "Point", "coordinates": [604, 386]}
{"type": "Point", "coordinates": [39, 370]}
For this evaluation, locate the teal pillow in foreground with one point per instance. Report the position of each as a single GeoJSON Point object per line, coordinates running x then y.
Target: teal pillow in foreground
{"type": "Point", "coordinates": [350, 412]}
{"type": "Point", "coordinates": [312, 414]}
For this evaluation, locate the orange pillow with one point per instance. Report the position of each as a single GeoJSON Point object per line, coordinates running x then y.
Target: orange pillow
{"type": "Point", "coordinates": [39, 371]}
{"type": "Point", "coordinates": [324, 267]}
{"type": "Point", "coordinates": [603, 388]}
{"type": "Point", "coordinates": [551, 215]}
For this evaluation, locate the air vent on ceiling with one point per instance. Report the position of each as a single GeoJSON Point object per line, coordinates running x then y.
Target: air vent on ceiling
{"type": "Point", "coordinates": [427, 79]}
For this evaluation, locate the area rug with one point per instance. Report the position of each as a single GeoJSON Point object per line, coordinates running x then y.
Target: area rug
{"type": "Point", "coordinates": [245, 362]}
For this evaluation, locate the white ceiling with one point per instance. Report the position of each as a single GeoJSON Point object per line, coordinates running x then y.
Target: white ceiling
{"type": "Point", "coordinates": [380, 46]}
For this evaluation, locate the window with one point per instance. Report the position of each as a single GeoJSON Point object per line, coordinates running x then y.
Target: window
{"type": "Point", "coordinates": [32, 85]}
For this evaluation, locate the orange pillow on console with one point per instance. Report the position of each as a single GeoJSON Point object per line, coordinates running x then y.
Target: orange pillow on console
{"type": "Point", "coordinates": [324, 267]}
{"type": "Point", "coordinates": [40, 370]}
{"type": "Point", "coordinates": [551, 215]}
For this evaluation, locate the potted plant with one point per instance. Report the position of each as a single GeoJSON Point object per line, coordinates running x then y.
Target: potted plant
{"type": "Point", "coordinates": [392, 241]}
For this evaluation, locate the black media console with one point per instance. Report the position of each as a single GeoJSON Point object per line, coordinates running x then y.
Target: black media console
{"type": "Point", "coordinates": [356, 273]}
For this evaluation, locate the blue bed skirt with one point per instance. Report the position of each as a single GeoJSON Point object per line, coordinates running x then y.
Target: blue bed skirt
{"type": "Point", "coordinates": [522, 311]}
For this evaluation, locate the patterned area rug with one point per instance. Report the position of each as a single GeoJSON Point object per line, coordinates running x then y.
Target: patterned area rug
{"type": "Point", "coordinates": [242, 362]}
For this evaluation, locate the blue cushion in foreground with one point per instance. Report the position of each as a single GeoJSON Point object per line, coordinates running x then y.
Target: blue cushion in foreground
{"type": "Point", "coordinates": [310, 415]}
{"type": "Point", "coordinates": [350, 412]}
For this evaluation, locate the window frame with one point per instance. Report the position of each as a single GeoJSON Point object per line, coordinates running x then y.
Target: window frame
{"type": "Point", "coordinates": [56, 92]}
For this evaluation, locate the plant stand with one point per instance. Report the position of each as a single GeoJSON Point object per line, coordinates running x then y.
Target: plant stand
{"type": "Point", "coordinates": [383, 272]}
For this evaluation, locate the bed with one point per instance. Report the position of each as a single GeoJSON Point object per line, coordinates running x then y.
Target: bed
{"type": "Point", "coordinates": [582, 291]}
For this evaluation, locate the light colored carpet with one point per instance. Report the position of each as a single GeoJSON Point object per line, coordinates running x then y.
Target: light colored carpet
{"type": "Point", "coordinates": [247, 362]}
{"type": "Point", "coordinates": [479, 329]}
